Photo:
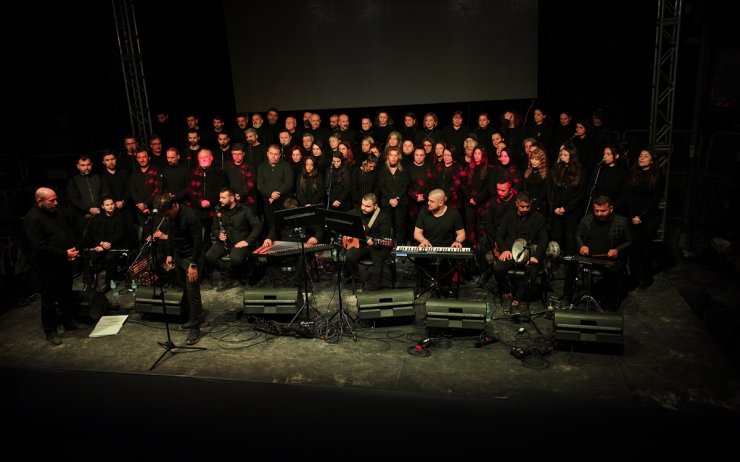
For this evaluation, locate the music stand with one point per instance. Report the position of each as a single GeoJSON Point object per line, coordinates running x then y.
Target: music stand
{"type": "Point", "coordinates": [168, 345]}
{"type": "Point", "coordinates": [345, 224]}
{"type": "Point", "coordinates": [298, 218]}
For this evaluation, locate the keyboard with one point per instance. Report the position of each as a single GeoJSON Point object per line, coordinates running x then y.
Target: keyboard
{"type": "Point", "coordinates": [432, 252]}
{"type": "Point", "coordinates": [286, 248]}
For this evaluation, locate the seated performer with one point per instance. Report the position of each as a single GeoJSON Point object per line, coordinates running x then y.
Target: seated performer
{"type": "Point", "coordinates": [522, 223]}
{"type": "Point", "coordinates": [378, 229]}
{"type": "Point", "coordinates": [109, 237]}
{"type": "Point", "coordinates": [236, 229]}
{"type": "Point", "coordinates": [439, 226]}
{"type": "Point", "coordinates": [309, 235]}
{"type": "Point", "coordinates": [606, 235]}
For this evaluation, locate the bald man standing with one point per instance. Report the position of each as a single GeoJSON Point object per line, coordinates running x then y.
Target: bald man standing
{"type": "Point", "coordinates": [51, 238]}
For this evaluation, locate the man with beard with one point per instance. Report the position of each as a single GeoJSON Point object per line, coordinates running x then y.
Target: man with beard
{"type": "Point", "coordinates": [50, 236]}
{"type": "Point", "coordinates": [520, 223]}
{"type": "Point", "coordinates": [605, 235]}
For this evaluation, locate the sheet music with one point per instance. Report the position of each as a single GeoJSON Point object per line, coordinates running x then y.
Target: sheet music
{"type": "Point", "coordinates": [108, 325]}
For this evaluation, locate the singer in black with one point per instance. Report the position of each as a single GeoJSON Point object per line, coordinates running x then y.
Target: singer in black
{"type": "Point", "coordinates": [378, 228]}
{"type": "Point", "coordinates": [522, 223]}
{"type": "Point", "coordinates": [51, 238]}
{"type": "Point", "coordinates": [236, 229]}
{"type": "Point", "coordinates": [185, 255]}
{"type": "Point", "coordinates": [611, 179]}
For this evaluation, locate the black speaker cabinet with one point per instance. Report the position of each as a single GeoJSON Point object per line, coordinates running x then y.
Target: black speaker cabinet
{"type": "Point", "coordinates": [386, 304]}
{"type": "Point", "coordinates": [271, 301]}
{"type": "Point", "coordinates": [91, 304]}
{"type": "Point", "coordinates": [589, 326]}
{"type": "Point", "coordinates": [457, 314]}
{"type": "Point", "coordinates": [150, 301]}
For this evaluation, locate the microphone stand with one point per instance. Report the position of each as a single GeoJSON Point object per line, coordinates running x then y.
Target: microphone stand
{"type": "Point", "coordinates": [593, 187]}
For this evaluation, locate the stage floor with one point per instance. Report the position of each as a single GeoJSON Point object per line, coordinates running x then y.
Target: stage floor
{"type": "Point", "coordinates": [671, 378]}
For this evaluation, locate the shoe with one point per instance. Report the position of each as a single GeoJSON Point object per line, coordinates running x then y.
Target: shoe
{"type": "Point", "coordinates": [227, 284]}
{"type": "Point", "coordinates": [53, 338]}
{"type": "Point", "coordinates": [193, 336]}
{"type": "Point", "coordinates": [193, 323]}
{"type": "Point", "coordinates": [74, 325]}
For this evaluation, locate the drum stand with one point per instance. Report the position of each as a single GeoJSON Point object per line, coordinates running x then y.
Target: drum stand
{"type": "Point", "coordinates": [584, 295]}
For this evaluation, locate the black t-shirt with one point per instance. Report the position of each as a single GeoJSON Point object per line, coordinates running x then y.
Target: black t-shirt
{"type": "Point", "coordinates": [440, 231]}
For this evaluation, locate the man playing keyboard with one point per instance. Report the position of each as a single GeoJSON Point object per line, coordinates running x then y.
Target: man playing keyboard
{"type": "Point", "coordinates": [604, 235]}
{"type": "Point", "coordinates": [439, 226]}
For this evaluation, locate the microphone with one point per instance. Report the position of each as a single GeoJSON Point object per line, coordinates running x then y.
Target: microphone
{"type": "Point", "coordinates": [602, 162]}
{"type": "Point", "coordinates": [149, 218]}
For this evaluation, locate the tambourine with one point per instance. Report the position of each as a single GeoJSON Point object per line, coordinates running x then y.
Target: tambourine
{"type": "Point", "coordinates": [520, 251]}
{"type": "Point", "coordinates": [553, 250]}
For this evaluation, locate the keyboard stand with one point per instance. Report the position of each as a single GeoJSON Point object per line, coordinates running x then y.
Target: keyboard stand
{"type": "Point", "coordinates": [434, 280]}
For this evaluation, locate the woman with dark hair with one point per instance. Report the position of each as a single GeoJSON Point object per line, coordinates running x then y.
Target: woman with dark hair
{"type": "Point", "coordinates": [384, 125]}
{"type": "Point", "coordinates": [310, 185]}
{"type": "Point", "coordinates": [610, 179]}
{"type": "Point", "coordinates": [646, 189]}
{"type": "Point", "coordinates": [410, 128]}
{"type": "Point", "coordinates": [535, 180]}
{"type": "Point", "coordinates": [296, 160]}
{"type": "Point", "coordinates": [504, 166]}
{"type": "Point", "coordinates": [337, 185]}
{"type": "Point", "coordinates": [563, 131]}
{"type": "Point", "coordinates": [348, 156]}
{"type": "Point", "coordinates": [566, 191]}
{"type": "Point", "coordinates": [323, 160]}
{"type": "Point", "coordinates": [588, 152]}
{"type": "Point", "coordinates": [512, 129]}
{"type": "Point", "coordinates": [449, 176]}
{"type": "Point", "coordinates": [364, 180]}
{"type": "Point", "coordinates": [541, 128]}
{"type": "Point", "coordinates": [476, 193]}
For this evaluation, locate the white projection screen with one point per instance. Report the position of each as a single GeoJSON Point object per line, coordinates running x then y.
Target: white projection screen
{"type": "Point", "coordinates": [326, 54]}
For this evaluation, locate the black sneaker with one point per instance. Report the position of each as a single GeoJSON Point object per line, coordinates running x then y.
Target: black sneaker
{"type": "Point", "coordinates": [53, 338]}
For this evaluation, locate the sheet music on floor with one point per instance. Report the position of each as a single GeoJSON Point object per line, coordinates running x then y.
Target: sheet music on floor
{"type": "Point", "coordinates": [108, 325]}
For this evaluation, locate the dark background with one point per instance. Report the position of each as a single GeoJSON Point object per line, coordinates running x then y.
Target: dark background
{"type": "Point", "coordinates": [67, 90]}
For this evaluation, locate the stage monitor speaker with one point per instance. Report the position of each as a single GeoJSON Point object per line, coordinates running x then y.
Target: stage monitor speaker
{"type": "Point", "coordinates": [271, 301]}
{"type": "Point", "coordinates": [457, 314]}
{"type": "Point", "coordinates": [91, 304]}
{"type": "Point", "coordinates": [589, 326]}
{"type": "Point", "coordinates": [386, 304]}
{"type": "Point", "coordinates": [150, 302]}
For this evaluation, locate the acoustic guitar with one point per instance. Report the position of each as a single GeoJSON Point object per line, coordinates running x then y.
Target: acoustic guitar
{"type": "Point", "coordinates": [350, 242]}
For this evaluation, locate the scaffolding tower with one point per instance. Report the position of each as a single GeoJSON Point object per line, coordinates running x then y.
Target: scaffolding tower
{"type": "Point", "coordinates": [665, 64]}
{"type": "Point", "coordinates": [133, 69]}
